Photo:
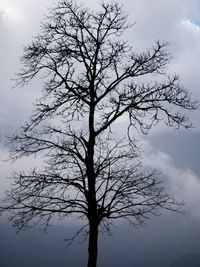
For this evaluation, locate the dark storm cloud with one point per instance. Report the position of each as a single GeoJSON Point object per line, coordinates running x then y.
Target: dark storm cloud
{"type": "Point", "coordinates": [164, 242]}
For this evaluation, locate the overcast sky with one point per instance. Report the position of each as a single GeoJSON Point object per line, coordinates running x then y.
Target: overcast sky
{"type": "Point", "coordinates": [175, 153]}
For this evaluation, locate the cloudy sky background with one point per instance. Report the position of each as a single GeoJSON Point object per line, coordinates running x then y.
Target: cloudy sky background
{"type": "Point", "coordinates": [175, 153]}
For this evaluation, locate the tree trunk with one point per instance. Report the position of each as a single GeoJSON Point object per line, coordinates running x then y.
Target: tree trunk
{"type": "Point", "coordinates": [93, 244]}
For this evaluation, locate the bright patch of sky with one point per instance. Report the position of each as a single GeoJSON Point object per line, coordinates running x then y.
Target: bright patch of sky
{"type": "Point", "coordinates": [11, 11]}
{"type": "Point", "coordinates": [190, 25]}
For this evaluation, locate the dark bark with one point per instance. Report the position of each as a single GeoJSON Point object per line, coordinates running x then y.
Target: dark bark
{"type": "Point", "coordinates": [93, 244]}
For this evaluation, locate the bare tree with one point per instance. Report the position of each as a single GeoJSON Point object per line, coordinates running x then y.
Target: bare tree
{"type": "Point", "coordinates": [92, 78]}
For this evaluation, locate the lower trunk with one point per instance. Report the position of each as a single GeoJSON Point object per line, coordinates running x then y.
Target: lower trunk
{"type": "Point", "coordinates": [93, 245]}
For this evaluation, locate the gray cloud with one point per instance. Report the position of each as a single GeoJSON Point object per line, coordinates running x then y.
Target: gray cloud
{"type": "Point", "coordinates": [177, 155]}
{"type": "Point", "coordinates": [182, 146]}
{"type": "Point", "coordinates": [21, 21]}
{"type": "Point", "coordinates": [180, 180]}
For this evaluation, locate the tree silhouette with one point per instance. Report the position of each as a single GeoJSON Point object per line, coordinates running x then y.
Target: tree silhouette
{"type": "Point", "coordinates": [92, 78]}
